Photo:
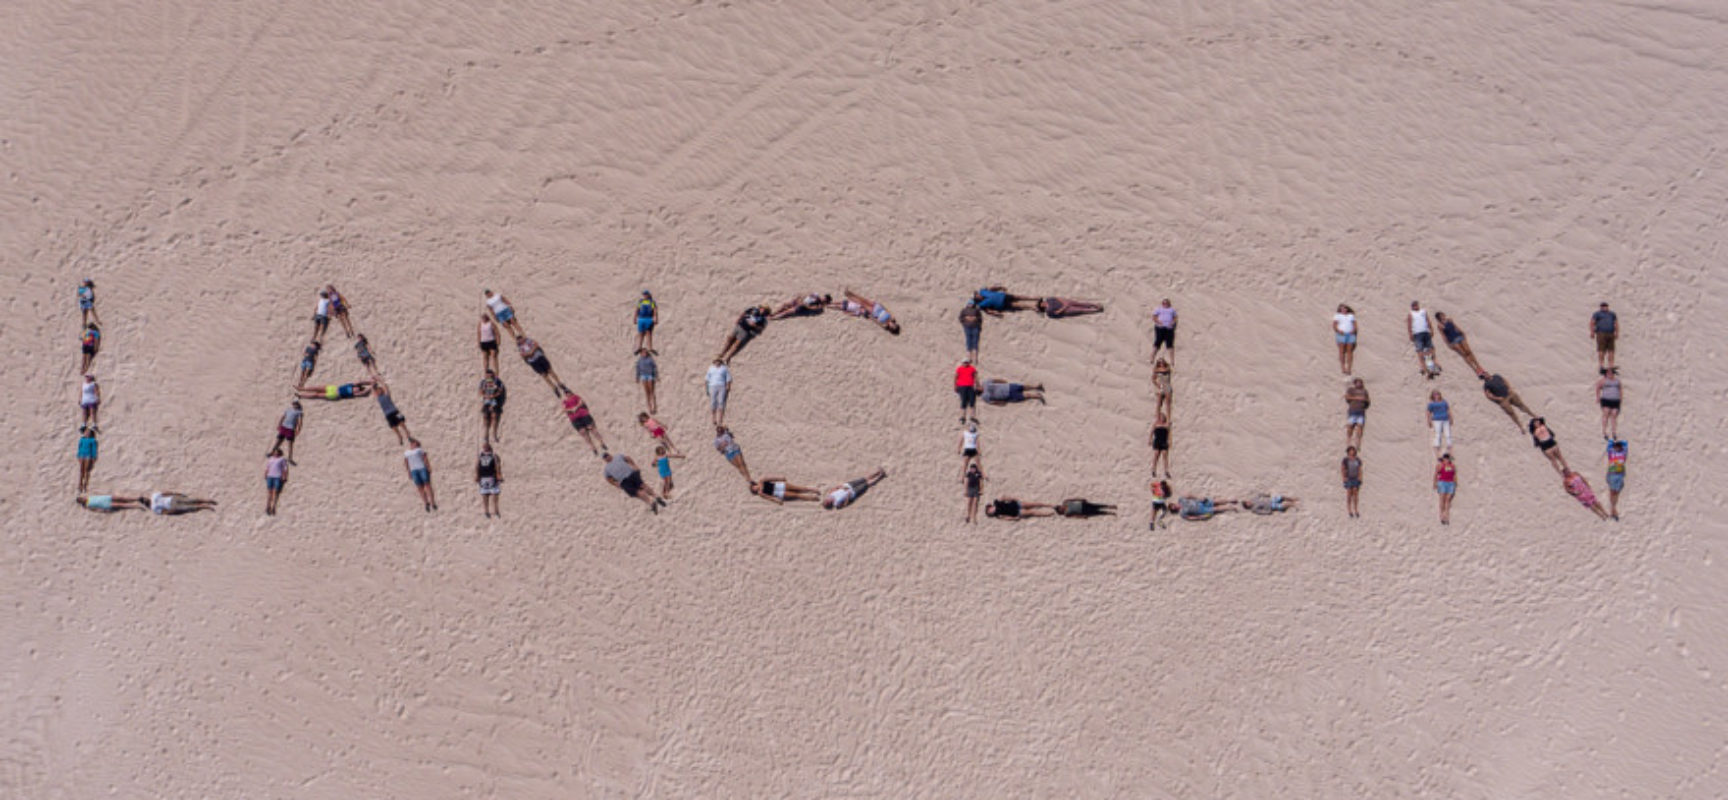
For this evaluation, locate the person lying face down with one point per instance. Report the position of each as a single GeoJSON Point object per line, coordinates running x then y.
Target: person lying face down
{"type": "Point", "coordinates": [999, 392]}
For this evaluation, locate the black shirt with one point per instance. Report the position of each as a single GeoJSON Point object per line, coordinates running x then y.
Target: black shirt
{"type": "Point", "coordinates": [1496, 386]}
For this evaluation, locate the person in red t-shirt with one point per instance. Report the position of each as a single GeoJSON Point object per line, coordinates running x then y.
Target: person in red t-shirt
{"type": "Point", "coordinates": [966, 385]}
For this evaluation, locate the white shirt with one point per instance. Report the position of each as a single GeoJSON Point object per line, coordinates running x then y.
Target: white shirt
{"type": "Point", "coordinates": [496, 303]}
{"type": "Point", "coordinates": [88, 396]}
{"type": "Point", "coordinates": [416, 458]}
{"type": "Point", "coordinates": [718, 376]}
{"type": "Point", "coordinates": [969, 440]}
{"type": "Point", "coordinates": [1346, 322]}
{"type": "Point", "coordinates": [1419, 321]}
{"type": "Point", "coordinates": [841, 496]}
{"type": "Point", "coordinates": [159, 502]}
{"type": "Point", "coordinates": [486, 332]}
{"type": "Point", "coordinates": [323, 306]}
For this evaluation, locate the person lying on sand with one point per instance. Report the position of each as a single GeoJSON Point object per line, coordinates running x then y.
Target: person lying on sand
{"type": "Point", "coordinates": [1196, 509]}
{"type": "Point", "coordinates": [845, 494]}
{"type": "Point", "coordinates": [749, 326]}
{"type": "Point", "coordinates": [860, 306]}
{"type": "Point", "coordinates": [502, 311]}
{"type": "Point", "coordinates": [1059, 307]}
{"type": "Point", "coordinates": [811, 303]}
{"type": "Point", "coordinates": [175, 503]}
{"type": "Point", "coordinates": [779, 491]}
{"type": "Point", "coordinates": [994, 300]}
{"type": "Point", "coordinates": [108, 502]}
{"type": "Point", "coordinates": [999, 392]}
{"type": "Point", "coordinates": [1078, 508]}
{"type": "Point", "coordinates": [1011, 508]}
{"type": "Point", "coordinates": [342, 391]}
{"type": "Point", "coordinates": [1264, 504]}
{"type": "Point", "coordinates": [621, 472]}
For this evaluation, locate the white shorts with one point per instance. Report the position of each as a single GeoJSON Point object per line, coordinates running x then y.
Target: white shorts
{"type": "Point", "coordinates": [488, 486]}
{"type": "Point", "coordinates": [1442, 429]}
{"type": "Point", "coordinates": [717, 397]}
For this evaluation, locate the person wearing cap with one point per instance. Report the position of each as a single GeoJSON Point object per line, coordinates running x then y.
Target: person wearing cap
{"type": "Point", "coordinates": [966, 385]}
{"type": "Point", "coordinates": [1604, 328]}
{"type": "Point", "coordinates": [647, 314]}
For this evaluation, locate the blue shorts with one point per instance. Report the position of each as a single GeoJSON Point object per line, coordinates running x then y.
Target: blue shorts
{"type": "Point", "coordinates": [1344, 338]}
{"type": "Point", "coordinates": [1616, 481]}
{"type": "Point", "coordinates": [1353, 483]}
{"type": "Point", "coordinates": [85, 304]}
{"type": "Point", "coordinates": [273, 484]}
{"type": "Point", "coordinates": [644, 324]}
{"type": "Point", "coordinates": [86, 449]}
{"type": "Point", "coordinates": [972, 338]}
{"type": "Point", "coordinates": [1422, 341]}
{"type": "Point", "coordinates": [1356, 418]}
{"type": "Point", "coordinates": [506, 315]}
{"type": "Point", "coordinates": [1446, 487]}
{"type": "Point", "coordinates": [420, 477]}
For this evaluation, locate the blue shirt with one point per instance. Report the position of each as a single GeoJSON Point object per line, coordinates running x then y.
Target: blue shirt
{"type": "Point", "coordinates": [664, 465]}
{"type": "Point", "coordinates": [993, 301]}
{"type": "Point", "coordinates": [1440, 410]}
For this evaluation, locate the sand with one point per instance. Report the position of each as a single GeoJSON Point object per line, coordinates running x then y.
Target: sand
{"type": "Point", "coordinates": [1511, 164]}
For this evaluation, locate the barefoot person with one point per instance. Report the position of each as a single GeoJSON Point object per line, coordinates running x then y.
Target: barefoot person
{"type": "Point", "coordinates": [487, 337]}
{"type": "Point", "coordinates": [778, 490]}
{"type": "Point", "coordinates": [1161, 502]}
{"type": "Point", "coordinates": [108, 502]}
{"type": "Point", "coordinates": [489, 476]}
{"type": "Point", "coordinates": [1440, 419]}
{"type": "Point", "coordinates": [1422, 338]}
{"type": "Point", "coordinates": [88, 449]}
{"type": "Point", "coordinates": [1014, 509]}
{"type": "Point", "coordinates": [749, 325]}
{"type": "Point", "coordinates": [663, 465]}
{"type": "Point", "coordinates": [1605, 329]}
{"type": "Point", "coordinates": [1446, 485]}
{"type": "Point", "coordinates": [1575, 485]}
{"type": "Point", "coordinates": [860, 306]}
{"type": "Point", "coordinates": [1199, 509]}
{"type": "Point", "coordinates": [419, 466]}
{"type": "Point", "coordinates": [502, 311]}
{"type": "Point", "coordinates": [847, 493]}
{"type": "Point", "coordinates": [1059, 307]}
{"type": "Point", "coordinates": [995, 300]}
{"type": "Point", "coordinates": [973, 478]}
{"type": "Point", "coordinates": [492, 397]}
{"type": "Point", "coordinates": [87, 303]}
{"type": "Point", "coordinates": [1616, 454]}
{"type": "Point", "coordinates": [803, 305]}
{"type": "Point", "coordinates": [972, 325]}
{"type": "Point", "coordinates": [1543, 438]}
{"type": "Point", "coordinates": [969, 453]}
{"type": "Point", "coordinates": [728, 447]}
{"type": "Point", "coordinates": [1164, 330]}
{"type": "Point", "coordinates": [966, 386]}
{"type": "Point", "coordinates": [1351, 469]}
{"type": "Point", "coordinates": [321, 317]}
{"type": "Point", "coordinates": [91, 344]}
{"type": "Point", "coordinates": [339, 309]}
{"type": "Point", "coordinates": [621, 472]}
{"type": "Point", "coordinates": [1344, 332]}
{"type": "Point", "coordinates": [582, 419]}
{"type": "Point", "coordinates": [719, 382]}
{"type": "Point", "coordinates": [335, 391]}
{"type": "Point", "coordinates": [392, 415]}
{"type": "Point", "coordinates": [536, 360]}
{"type": "Point", "coordinates": [1079, 508]}
{"type": "Point", "coordinates": [1160, 441]}
{"type": "Point", "coordinates": [1264, 504]}
{"type": "Point", "coordinates": [90, 401]}
{"type": "Point", "coordinates": [1456, 340]}
{"type": "Point", "coordinates": [363, 351]}
{"type": "Point", "coordinates": [1163, 387]}
{"type": "Point", "coordinates": [176, 503]}
{"type": "Point", "coordinates": [1608, 397]}
{"type": "Point", "coordinates": [288, 427]}
{"type": "Point", "coordinates": [656, 431]}
{"type": "Point", "coordinates": [275, 475]}
{"type": "Point", "coordinates": [647, 316]}
{"type": "Point", "coordinates": [998, 392]}
{"type": "Point", "coordinates": [1496, 388]}
{"type": "Point", "coordinates": [647, 375]}
{"type": "Point", "coordinates": [1356, 402]}
{"type": "Point", "coordinates": [308, 362]}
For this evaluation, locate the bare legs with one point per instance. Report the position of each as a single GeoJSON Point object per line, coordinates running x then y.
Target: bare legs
{"type": "Point", "coordinates": [648, 396]}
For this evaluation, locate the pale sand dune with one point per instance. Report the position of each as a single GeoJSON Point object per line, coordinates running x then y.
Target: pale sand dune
{"type": "Point", "coordinates": [211, 165]}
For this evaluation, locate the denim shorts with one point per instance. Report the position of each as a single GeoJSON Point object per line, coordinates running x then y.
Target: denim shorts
{"type": "Point", "coordinates": [1446, 487]}
{"type": "Point", "coordinates": [420, 477]}
{"type": "Point", "coordinates": [1344, 338]}
{"type": "Point", "coordinates": [273, 484]}
{"type": "Point", "coordinates": [972, 337]}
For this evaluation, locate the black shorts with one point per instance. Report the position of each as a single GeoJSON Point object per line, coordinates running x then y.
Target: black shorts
{"type": "Point", "coordinates": [540, 365]}
{"type": "Point", "coordinates": [582, 423]}
{"type": "Point", "coordinates": [968, 396]}
{"type": "Point", "coordinates": [491, 407]}
{"type": "Point", "coordinates": [89, 350]}
{"type": "Point", "coordinates": [489, 347]}
{"type": "Point", "coordinates": [394, 418]}
{"type": "Point", "coordinates": [1163, 337]}
{"type": "Point", "coordinates": [1613, 404]}
{"type": "Point", "coordinates": [632, 484]}
{"type": "Point", "coordinates": [974, 491]}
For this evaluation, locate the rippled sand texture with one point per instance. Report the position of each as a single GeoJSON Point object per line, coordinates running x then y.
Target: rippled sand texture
{"type": "Point", "coordinates": [1509, 163]}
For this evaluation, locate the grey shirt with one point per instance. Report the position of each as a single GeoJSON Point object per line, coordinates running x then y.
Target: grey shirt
{"type": "Point", "coordinates": [618, 469]}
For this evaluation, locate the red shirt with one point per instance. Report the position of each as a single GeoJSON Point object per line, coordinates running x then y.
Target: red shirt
{"type": "Point", "coordinates": [965, 375]}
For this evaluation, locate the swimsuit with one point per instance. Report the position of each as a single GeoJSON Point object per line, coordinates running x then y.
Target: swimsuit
{"type": "Point", "coordinates": [1008, 508]}
{"type": "Point", "coordinates": [663, 465]}
{"type": "Point", "coordinates": [1451, 332]}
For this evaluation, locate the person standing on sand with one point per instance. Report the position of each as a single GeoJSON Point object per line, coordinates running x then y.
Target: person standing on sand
{"type": "Point", "coordinates": [1605, 329]}
{"type": "Point", "coordinates": [1164, 330]}
{"type": "Point", "coordinates": [1351, 470]}
{"type": "Point", "coordinates": [492, 397]}
{"type": "Point", "coordinates": [88, 449]}
{"type": "Point", "coordinates": [1344, 331]}
{"type": "Point", "coordinates": [1496, 388]}
{"type": "Point", "coordinates": [487, 336]}
{"type": "Point", "coordinates": [87, 303]}
{"type": "Point", "coordinates": [1608, 397]}
{"type": "Point", "coordinates": [966, 385]}
{"type": "Point", "coordinates": [1160, 441]}
{"type": "Point", "coordinates": [1356, 404]}
{"type": "Point", "coordinates": [1616, 475]}
{"type": "Point", "coordinates": [1543, 438]}
{"type": "Point", "coordinates": [719, 382]}
{"type": "Point", "coordinates": [275, 476]}
{"type": "Point", "coordinates": [90, 401]}
{"type": "Point", "coordinates": [647, 316]}
{"type": "Point", "coordinates": [647, 375]}
{"type": "Point", "coordinates": [847, 493]}
{"type": "Point", "coordinates": [1422, 338]}
{"type": "Point", "coordinates": [288, 428]}
{"type": "Point", "coordinates": [489, 476]}
{"type": "Point", "coordinates": [1446, 485]}
{"type": "Point", "coordinates": [973, 478]}
{"type": "Point", "coordinates": [621, 472]}
{"type": "Point", "coordinates": [1575, 485]}
{"type": "Point", "coordinates": [1456, 340]}
{"type": "Point", "coordinates": [503, 312]}
{"type": "Point", "coordinates": [419, 466]}
{"type": "Point", "coordinates": [1440, 419]}
{"type": "Point", "coordinates": [91, 344]}
{"type": "Point", "coordinates": [971, 324]}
